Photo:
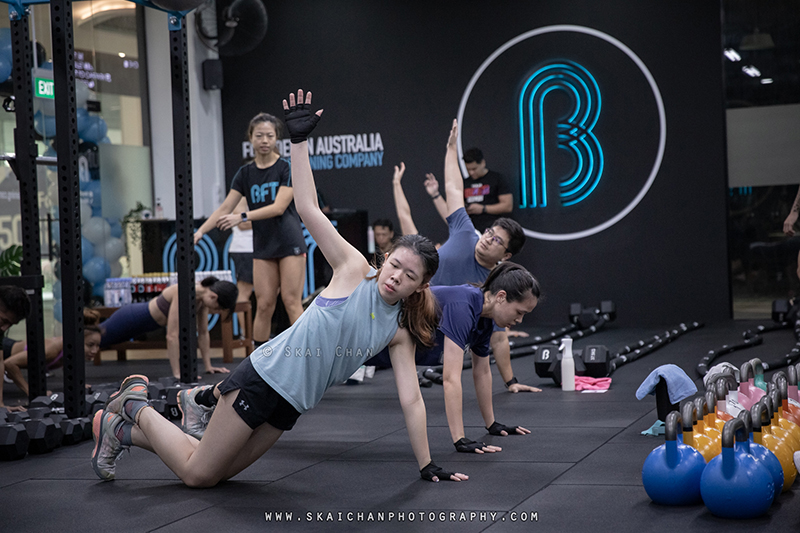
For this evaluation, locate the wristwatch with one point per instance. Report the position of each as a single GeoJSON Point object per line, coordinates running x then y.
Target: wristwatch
{"type": "Point", "coordinates": [511, 381]}
{"type": "Point", "coordinates": [244, 216]}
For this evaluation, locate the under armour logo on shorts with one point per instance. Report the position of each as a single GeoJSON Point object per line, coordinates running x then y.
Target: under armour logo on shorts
{"type": "Point", "coordinates": [243, 405]}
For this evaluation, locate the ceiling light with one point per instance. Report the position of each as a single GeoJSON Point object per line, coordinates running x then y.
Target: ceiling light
{"type": "Point", "coordinates": [751, 71]}
{"type": "Point", "coordinates": [732, 55]}
{"type": "Point", "coordinates": [766, 81]}
{"type": "Point", "coordinates": [757, 41]}
{"type": "Point", "coordinates": [121, 54]}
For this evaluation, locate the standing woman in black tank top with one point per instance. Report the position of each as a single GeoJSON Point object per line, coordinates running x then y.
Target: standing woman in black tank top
{"type": "Point", "coordinates": [279, 247]}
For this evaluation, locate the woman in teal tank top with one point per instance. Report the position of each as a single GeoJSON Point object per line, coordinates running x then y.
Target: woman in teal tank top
{"type": "Point", "coordinates": [366, 311]}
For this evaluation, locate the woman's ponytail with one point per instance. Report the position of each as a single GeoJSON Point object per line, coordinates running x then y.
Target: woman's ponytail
{"type": "Point", "coordinates": [420, 317]}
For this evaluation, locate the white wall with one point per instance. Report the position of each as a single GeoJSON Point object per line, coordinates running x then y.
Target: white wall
{"type": "Point", "coordinates": [208, 164]}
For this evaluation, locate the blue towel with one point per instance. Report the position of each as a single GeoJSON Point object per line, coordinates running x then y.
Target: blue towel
{"type": "Point", "coordinates": [679, 385]}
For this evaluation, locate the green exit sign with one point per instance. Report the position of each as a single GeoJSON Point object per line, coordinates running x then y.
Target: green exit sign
{"type": "Point", "coordinates": [44, 88]}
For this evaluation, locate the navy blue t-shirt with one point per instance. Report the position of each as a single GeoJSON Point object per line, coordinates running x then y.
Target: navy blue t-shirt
{"type": "Point", "coordinates": [457, 263]}
{"type": "Point", "coordinates": [459, 320]}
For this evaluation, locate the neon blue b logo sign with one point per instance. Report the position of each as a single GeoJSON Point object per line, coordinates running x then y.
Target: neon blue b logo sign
{"type": "Point", "coordinates": [573, 132]}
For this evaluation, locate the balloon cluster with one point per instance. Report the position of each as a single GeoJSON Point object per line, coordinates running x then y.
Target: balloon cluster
{"type": "Point", "coordinates": [101, 238]}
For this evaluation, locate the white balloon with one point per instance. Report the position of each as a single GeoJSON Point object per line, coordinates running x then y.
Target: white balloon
{"type": "Point", "coordinates": [97, 230]}
{"type": "Point", "coordinates": [111, 250]}
{"type": "Point", "coordinates": [86, 214]}
{"type": "Point", "coordinates": [116, 269]}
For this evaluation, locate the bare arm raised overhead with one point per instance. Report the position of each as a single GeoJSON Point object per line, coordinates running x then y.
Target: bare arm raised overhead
{"type": "Point", "coordinates": [453, 180]}
{"type": "Point", "coordinates": [407, 225]}
{"type": "Point", "coordinates": [349, 266]}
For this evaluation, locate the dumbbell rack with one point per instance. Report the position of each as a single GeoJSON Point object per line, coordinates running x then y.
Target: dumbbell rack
{"type": "Point", "coordinates": [24, 165]}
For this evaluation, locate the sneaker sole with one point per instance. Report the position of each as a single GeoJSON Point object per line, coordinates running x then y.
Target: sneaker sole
{"type": "Point", "coordinates": [122, 387]}
{"type": "Point", "coordinates": [97, 433]}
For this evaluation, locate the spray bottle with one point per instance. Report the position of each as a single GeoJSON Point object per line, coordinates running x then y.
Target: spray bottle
{"type": "Point", "coordinates": [567, 365]}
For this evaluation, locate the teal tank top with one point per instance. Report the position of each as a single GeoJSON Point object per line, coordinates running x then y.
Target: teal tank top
{"type": "Point", "coordinates": [326, 345]}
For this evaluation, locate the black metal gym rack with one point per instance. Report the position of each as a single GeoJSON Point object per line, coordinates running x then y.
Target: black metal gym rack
{"type": "Point", "coordinates": [23, 164]}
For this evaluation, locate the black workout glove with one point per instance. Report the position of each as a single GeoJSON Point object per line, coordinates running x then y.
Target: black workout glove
{"type": "Point", "coordinates": [468, 446]}
{"type": "Point", "coordinates": [496, 428]}
{"type": "Point", "coordinates": [300, 122]}
{"type": "Point", "coordinates": [431, 470]}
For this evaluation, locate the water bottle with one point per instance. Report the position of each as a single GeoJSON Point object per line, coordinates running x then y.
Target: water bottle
{"type": "Point", "coordinates": [567, 365]}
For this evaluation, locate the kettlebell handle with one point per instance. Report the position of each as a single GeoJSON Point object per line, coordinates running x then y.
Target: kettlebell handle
{"type": "Point", "coordinates": [734, 430]}
{"type": "Point", "coordinates": [747, 418]}
{"type": "Point", "coordinates": [725, 383]}
{"type": "Point", "coordinates": [671, 426]}
{"type": "Point", "coordinates": [689, 415]}
{"type": "Point", "coordinates": [745, 372]}
{"type": "Point", "coordinates": [760, 415]}
{"type": "Point", "coordinates": [791, 375]}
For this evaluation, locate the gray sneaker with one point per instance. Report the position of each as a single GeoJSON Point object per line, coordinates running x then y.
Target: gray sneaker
{"type": "Point", "coordinates": [107, 447]}
{"type": "Point", "coordinates": [194, 417]}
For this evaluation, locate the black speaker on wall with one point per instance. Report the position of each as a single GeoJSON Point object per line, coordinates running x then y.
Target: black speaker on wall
{"type": "Point", "coordinates": [212, 74]}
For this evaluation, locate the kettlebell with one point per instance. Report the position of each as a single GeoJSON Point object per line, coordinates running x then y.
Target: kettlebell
{"type": "Point", "coordinates": [734, 484]}
{"type": "Point", "coordinates": [671, 473]}
{"type": "Point", "coordinates": [763, 455]}
{"type": "Point", "coordinates": [761, 435]}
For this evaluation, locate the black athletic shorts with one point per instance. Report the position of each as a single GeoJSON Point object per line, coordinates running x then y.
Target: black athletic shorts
{"type": "Point", "coordinates": [243, 263]}
{"type": "Point", "coordinates": [257, 402]}
{"type": "Point", "coordinates": [7, 345]}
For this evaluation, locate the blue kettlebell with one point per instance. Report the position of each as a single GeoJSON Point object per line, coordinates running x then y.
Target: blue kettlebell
{"type": "Point", "coordinates": [735, 484]}
{"type": "Point", "coordinates": [764, 456]}
{"type": "Point", "coordinates": [671, 473]}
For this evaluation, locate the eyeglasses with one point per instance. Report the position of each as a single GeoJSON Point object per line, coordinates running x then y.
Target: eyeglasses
{"type": "Point", "coordinates": [489, 232]}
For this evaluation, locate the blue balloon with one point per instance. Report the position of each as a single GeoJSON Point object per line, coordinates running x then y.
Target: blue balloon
{"type": "Point", "coordinates": [93, 187]}
{"type": "Point", "coordinates": [97, 211]}
{"type": "Point", "coordinates": [87, 250]}
{"type": "Point", "coordinates": [57, 290]}
{"type": "Point", "coordinates": [96, 270]}
{"type": "Point", "coordinates": [6, 57]}
{"type": "Point", "coordinates": [99, 289]}
{"type": "Point", "coordinates": [57, 311]}
{"type": "Point", "coordinates": [95, 131]}
{"type": "Point", "coordinates": [116, 228]}
{"type": "Point", "coordinates": [5, 67]}
{"type": "Point", "coordinates": [45, 125]}
{"type": "Point", "coordinates": [83, 120]}
{"type": "Point", "coordinates": [104, 140]}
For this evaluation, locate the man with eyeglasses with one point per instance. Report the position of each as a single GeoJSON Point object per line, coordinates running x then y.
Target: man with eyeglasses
{"type": "Point", "coordinates": [14, 306]}
{"type": "Point", "coordinates": [466, 257]}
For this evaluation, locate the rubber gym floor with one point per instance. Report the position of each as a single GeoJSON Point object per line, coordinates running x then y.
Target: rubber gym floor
{"type": "Point", "coordinates": [348, 465]}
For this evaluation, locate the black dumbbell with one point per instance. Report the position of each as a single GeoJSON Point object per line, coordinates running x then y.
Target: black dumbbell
{"type": "Point", "coordinates": [157, 390]}
{"type": "Point", "coordinates": [52, 401]}
{"type": "Point", "coordinates": [3, 412]}
{"type": "Point", "coordinates": [160, 405]}
{"type": "Point", "coordinates": [71, 429]}
{"type": "Point", "coordinates": [17, 417]}
{"type": "Point", "coordinates": [86, 425]}
{"type": "Point", "coordinates": [172, 410]}
{"type": "Point", "coordinates": [169, 381]}
{"type": "Point", "coordinates": [44, 434]}
{"type": "Point", "coordinates": [14, 442]}
{"type": "Point", "coordinates": [595, 359]}
{"type": "Point", "coordinates": [95, 402]}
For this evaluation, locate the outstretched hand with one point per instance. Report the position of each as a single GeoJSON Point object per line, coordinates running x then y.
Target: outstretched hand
{"type": "Point", "coordinates": [398, 173]}
{"type": "Point", "coordinates": [453, 139]}
{"type": "Point", "coordinates": [432, 472]}
{"type": "Point", "coordinates": [217, 370]}
{"type": "Point", "coordinates": [431, 184]}
{"type": "Point", "coordinates": [300, 121]}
